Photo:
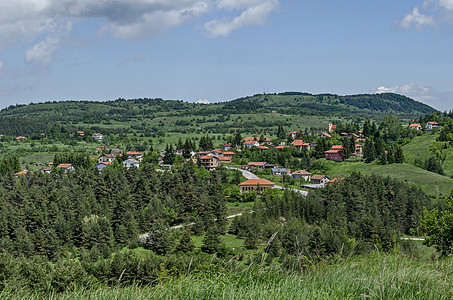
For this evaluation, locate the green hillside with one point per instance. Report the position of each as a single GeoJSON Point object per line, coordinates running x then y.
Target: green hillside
{"type": "Point", "coordinates": [291, 109]}
{"type": "Point", "coordinates": [431, 183]}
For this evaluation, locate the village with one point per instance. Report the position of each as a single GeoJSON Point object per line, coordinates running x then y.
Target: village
{"type": "Point", "coordinates": [225, 156]}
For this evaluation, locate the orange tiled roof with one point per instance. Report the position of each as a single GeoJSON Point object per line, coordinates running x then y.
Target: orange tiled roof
{"type": "Point", "coordinates": [256, 164]}
{"type": "Point", "coordinates": [302, 172]}
{"type": "Point", "coordinates": [208, 157]}
{"type": "Point", "coordinates": [297, 143]}
{"type": "Point", "coordinates": [261, 182]}
{"type": "Point", "coordinates": [318, 177]}
{"type": "Point", "coordinates": [63, 166]}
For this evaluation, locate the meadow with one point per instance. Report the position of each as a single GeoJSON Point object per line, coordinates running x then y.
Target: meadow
{"type": "Point", "coordinates": [374, 276]}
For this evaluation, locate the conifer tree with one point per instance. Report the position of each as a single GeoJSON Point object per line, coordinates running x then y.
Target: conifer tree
{"type": "Point", "coordinates": [212, 241]}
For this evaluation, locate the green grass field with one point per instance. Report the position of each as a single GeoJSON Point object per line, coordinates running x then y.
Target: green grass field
{"type": "Point", "coordinates": [433, 184]}
{"type": "Point", "coordinates": [418, 147]}
{"type": "Point", "coordinates": [374, 276]}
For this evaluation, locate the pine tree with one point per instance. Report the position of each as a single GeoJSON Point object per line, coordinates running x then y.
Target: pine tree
{"type": "Point", "coordinates": [185, 244]}
{"type": "Point", "coordinates": [211, 242]}
{"type": "Point", "coordinates": [281, 133]}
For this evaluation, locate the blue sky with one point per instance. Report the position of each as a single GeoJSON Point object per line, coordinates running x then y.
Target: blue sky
{"type": "Point", "coordinates": [219, 50]}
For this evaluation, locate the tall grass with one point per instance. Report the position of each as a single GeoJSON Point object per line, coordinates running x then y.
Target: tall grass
{"type": "Point", "coordinates": [374, 276]}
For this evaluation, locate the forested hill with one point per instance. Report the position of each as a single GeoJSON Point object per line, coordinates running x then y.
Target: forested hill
{"type": "Point", "coordinates": [330, 104]}
{"type": "Point", "coordinates": [28, 119]}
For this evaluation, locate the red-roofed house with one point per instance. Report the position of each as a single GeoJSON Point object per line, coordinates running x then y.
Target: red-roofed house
{"type": "Point", "coordinates": [324, 135]}
{"type": "Point", "coordinates": [301, 174]}
{"type": "Point", "coordinates": [224, 159]}
{"type": "Point", "coordinates": [299, 144]}
{"type": "Point", "coordinates": [257, 185]}
{"type": "Point", "coordinates": [293, 134]}
{"type": "Point", "coordinates": [258, 165]}
{"type": "Point", "coordinates": [21, 138]}
{"type": "Point", "coordinates": [210, 162]}
{"type": "Point", "coordinates": [135, 155]}
{"type": "Point", "coordinates": [334, 155]}
{"type": "Point", "coordinates": [23, 173]}
{"type": "Point", "coordinates": [97, 136]}
{"type": "Point", "coordinates": [251, 144]}
{"type": "Point", "coordinates": [337, 147]}
{"type": "Point", "coordinates": [431, 125]}
{"type": "Point", "coordinates": [227, 147]}
{"type": "Point", "coordinates": [319, 179]}
{"type": "Point", "coordinates": [415, 126]}
{"type": "Point", "coordinates": [66, 167]}
{"type": "Point", "coordinates": [228, 154]}
{"type": "Point", "coordinates": [336, 179]}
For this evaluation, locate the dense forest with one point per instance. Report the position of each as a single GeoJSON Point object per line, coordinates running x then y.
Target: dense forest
{"type": "Point", "coordinates": [62, 230]}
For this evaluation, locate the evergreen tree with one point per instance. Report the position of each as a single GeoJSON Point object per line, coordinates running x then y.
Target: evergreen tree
{"type": "Point", "coordinates": [185, 244]}
{"type": "Point", "coordinates": [281, 133]}
{"type": "Point", "coordinates": [169, 158]}
{"type": "Point", "coordinates": [211, 242]}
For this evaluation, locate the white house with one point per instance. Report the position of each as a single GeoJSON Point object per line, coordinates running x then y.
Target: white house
{"type": "Point", "coordinates": [415, 126]}
{"type": "Point", "coordinates": [66, 167]}
{"type": "Point", "coordinates": [251, 144]}
{"type": "Point", "coordinates": [431, 125]}
{"type": "Point", "coordinates": [107, 158]}
{"type": "Point", "coordinates": [102, 165]}
{"type": "Point", "coordinates": [131, 163]}
{"type": "Point", "coordinates": [97, 136]}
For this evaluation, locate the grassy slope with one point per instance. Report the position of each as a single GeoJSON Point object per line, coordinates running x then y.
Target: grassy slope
{"type": "Point", "coordinates": [418, 149]}
{"type": "Point", "coordinates": [376, 276]}
{"type": "Point", "coordinates": [433, 184]}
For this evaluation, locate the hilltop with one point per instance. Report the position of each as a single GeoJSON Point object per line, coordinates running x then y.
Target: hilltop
{"type": "Point", "coordinates": [28, 119]}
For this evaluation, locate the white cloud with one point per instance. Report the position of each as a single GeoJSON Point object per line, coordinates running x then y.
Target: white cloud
{"type": "Point", "coordinates": [41, 22]}
{"type": "Point", "coordinates": [253, 15]}
{"type": "Point", "coordinates": [201, 101]}
{"type": "Point", "coordinates": [2, 63]}
{"type": "Point", "coordinates": [424, 94]}
{"type": "Point", "coordinates": [431, 12]}
{"type": "Point", "coordinates": [42, 52]}
{"type": "Point", "coordinates": [415, 18]}
{"type": "Point", "coordinates": [236, 4]}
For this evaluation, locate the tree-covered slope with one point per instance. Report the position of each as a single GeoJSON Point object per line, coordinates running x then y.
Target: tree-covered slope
{"type": "Point", "coordinates": [28, 119]}
{"type": "Point", "coordinates": [329, 104]}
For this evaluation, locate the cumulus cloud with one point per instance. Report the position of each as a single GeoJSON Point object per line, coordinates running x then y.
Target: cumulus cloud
{"type": "Point", "coordinates": [201, 101]}
{"type": "Point", "coordinates": [253, 15]}
{"type": "Point", "coordinates": [425, 94]}
{"type": "Point", "coordinates": [42, 52]}
{"type": "Point", "coordinates": [431, 12]}
{"type": "Point", "coordinates": [415, 18]}
{"type": "Point", "coordinates": [41, 22]}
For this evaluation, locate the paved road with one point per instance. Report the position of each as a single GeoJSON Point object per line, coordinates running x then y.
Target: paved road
{"type": "Point", "coordinates": [246, 174]}
{"type": "Point", "coordinates": [143, 237]}
{"type": "Point", "coordinates": [250, 175]}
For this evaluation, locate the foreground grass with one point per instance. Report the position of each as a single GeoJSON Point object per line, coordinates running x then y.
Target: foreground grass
{"type": "Point", "coordinates": [375, 276]}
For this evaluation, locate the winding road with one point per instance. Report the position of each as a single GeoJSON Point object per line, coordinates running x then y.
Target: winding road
{"type": "Point", "coordinates": [250, 175]}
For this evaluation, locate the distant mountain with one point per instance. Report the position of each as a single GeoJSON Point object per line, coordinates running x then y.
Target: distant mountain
{"type": "Point", "coordinates": [329, 104]}
{"type": "Point", "coordinates": [28, 119]}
